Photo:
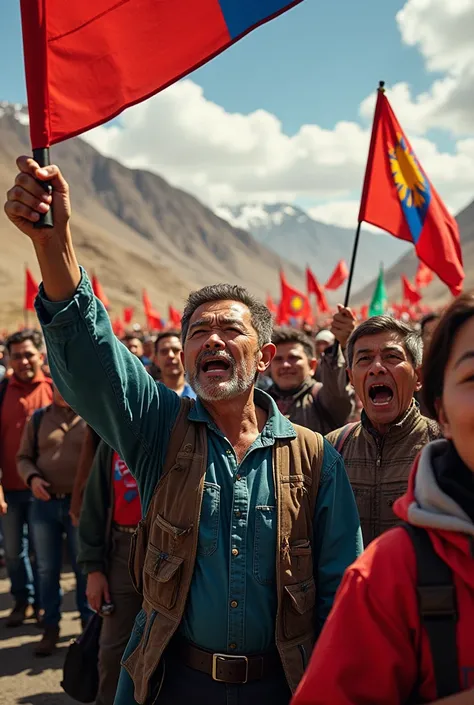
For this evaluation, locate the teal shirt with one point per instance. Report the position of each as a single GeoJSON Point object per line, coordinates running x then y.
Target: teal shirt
{"type": "Point", "coordinates": [110, 389]}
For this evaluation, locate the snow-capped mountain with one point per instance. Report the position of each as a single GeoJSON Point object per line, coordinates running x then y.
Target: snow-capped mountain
{"type": "Point", "coordinates": [15, 110]}
{"type": "Point", "coordinates": [293, 234]}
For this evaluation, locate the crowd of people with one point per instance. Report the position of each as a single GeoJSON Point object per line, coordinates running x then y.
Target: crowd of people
{"type": "Point", "coordinates": [260, 514]}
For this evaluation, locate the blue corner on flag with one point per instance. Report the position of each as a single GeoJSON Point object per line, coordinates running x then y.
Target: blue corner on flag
{"type": "Point", "coordinates": [242, 15]}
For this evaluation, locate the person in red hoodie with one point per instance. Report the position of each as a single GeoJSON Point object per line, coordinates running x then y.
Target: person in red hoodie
{"type": "Point", "coordinates": [373, 649]}
{"type": "Point", "coordinates": [25, 391]}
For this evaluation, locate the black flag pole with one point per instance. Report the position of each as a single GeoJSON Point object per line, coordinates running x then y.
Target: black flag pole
{"type": "Point", "coordinates": [41, 156]}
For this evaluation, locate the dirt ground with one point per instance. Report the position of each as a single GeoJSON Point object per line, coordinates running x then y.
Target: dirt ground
{"type": "Point", "coordinates": [24, 678]}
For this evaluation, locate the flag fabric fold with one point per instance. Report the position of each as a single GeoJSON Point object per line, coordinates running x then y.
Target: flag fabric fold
{"type": "Point", "coordinates": [399, 198]}
{"type": "Point", "coordinates": [118, 327]}
{"type": "Point", "coordinates": [128, 314]}
{"type": "Point", "coordinates": [410, 293]}
{"type": "Point", "coordinates": [424, 276]}
{"type": "Point", "coordinates": [87, 61]}
{"type": "Point", "coordinates": [174, 318]}
{"type": "Point", "coordinates": [314, 287]}
{"type": "Point", "coordinates": [99, 292]}
{"type": "Point", "coordinates": [31, 290]}
{"type": "Point", "coordinates": [338, 277]}
{"type": "Point", "coordinates": [294, 305]}
{"type": "Point", "coordinates": [378, 304]}
{"type": "Point", "coordinates": [152, 316]}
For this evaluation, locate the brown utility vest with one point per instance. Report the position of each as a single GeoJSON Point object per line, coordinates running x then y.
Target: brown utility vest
{"type": "Point", "coordinates": [164, 547]}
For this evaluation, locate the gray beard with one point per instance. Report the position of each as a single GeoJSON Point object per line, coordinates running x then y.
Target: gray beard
{"type": "Point", "coordinates": [239, 383]}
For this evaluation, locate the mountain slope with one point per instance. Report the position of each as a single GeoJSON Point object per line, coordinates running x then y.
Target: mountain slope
{"type": "Point", "coordinates": [293, 234]}
{"type": "Point", "coordinates": [436, 294]}
{"type": "Point", "coordinates": [134, 230]}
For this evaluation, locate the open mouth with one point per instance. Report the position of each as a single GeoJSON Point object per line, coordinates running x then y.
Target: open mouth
{"type": "Point", "coordinates": [216, 365]}
{"type": "Point", "coordinates": [380, 394]}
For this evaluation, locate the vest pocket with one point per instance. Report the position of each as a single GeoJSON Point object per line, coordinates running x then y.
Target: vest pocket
{"type": "Point", "coordinates": [209, 521]}
{"type": "Point", "coordinates": [136, 557]}
{"type": "Point", "coordinates": [264, 545]}
{"type": "Point", "coordinates": [161, 578]}
{"type": "Point", "coordinates": [299, 602]}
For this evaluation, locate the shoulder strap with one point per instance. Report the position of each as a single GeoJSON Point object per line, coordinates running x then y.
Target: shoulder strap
{"type": "Point", "coordinates": [36, 421]}
{"type": "Point", "coordinates": [344, 434]}
{"type": "Point", "coordinates": [3, 390]}
{"type": "Point", "coordinates": [307, 451]}
{"type": "Point", "coordinates": [438, 610]}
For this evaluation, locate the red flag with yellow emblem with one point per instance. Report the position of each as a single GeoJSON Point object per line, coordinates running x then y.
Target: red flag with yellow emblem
{"type": "Point", "coordinates": [294, 305]}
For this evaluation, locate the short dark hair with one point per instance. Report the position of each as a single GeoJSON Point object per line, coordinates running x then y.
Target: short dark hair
{"type": "Point", "coordinates": [22, 336]}
{"type": "Point", "coordinates": [132, 336]}
{"type": "Point", "coordinates": [171, 333]}
{"type": "Point", "coordinates": [293, 335]}
{"type": "Point", "coordinates": [261, 317]}
{"type": "Point", "coordinates": [428, 319]}
{"type": "Point", "coordinates": [386, 324]}
{"type": "Point", "coordinates": [458, 313]}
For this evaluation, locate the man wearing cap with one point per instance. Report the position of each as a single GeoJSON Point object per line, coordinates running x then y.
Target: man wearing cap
{"type": "Point", "coordinates": [321, 404]}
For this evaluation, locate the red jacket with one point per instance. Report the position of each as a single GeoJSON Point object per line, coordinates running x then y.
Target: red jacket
{"type": "Point", "coordinates": [20, 401]}
{"type": "Point", "coordinates": [368, 652]}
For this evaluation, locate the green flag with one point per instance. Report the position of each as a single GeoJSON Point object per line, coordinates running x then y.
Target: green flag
{"type": "Point", "coordinates": [379, 298]}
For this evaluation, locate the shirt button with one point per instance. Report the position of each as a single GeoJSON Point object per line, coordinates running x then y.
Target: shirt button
{"type": "Point", "coordinates": [228, 451]}
{"type": "Point", "coordinates": [235, 551]}
{"type": "Point", "coordinates": [232, 647]}
{"type": "Point", "coordinates": [234, 603]}
{"type": "Point", "coordinates": [238, 477]}
{"type": "Point", "coordinates": [237, 513]}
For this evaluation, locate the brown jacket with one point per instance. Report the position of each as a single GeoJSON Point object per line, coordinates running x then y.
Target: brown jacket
{"type": "Point", "coordinates": [319, 406]}
{"type": "Point", "coordinates": [84, 466]}
{"type": "Point", "coordinates": [60, 436]}
{"type": "Point", "coordinates": [164, 548]}
{"type": "Point", "coordinates": [378, 466]}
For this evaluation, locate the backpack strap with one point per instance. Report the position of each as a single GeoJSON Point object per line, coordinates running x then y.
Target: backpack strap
{"type": "Point", "coordinates": [36, 421]}
{"type": "Point", "coordinates": [438, 610]}
{"type": "Point", "coordinates": [344, 435]}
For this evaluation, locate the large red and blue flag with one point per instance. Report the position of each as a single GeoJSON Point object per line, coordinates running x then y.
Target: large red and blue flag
{"type": "Point", "coordinates": [399, 198]}
{"type": "Point", "coordinates": [87, 61]}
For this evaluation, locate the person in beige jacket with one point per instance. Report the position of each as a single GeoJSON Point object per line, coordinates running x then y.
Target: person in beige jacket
{"type": "Point", "coordinates": [47, 462]}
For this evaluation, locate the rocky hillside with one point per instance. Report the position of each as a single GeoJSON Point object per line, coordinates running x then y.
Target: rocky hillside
{"type": "Point", "coordinates": [133, 230]}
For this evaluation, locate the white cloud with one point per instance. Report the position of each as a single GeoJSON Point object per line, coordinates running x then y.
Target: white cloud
{"type": "Point", "coordinates": [227, 157]}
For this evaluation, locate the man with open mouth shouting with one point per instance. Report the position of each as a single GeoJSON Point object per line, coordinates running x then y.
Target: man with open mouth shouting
{"type": "Point", "coordinates": [384, 357]}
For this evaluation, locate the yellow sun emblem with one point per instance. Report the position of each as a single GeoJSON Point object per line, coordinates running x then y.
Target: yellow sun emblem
{"type": "Point", "coordinates": [297, 303]}
{"type": "Point", "coordinates": [411, 183]}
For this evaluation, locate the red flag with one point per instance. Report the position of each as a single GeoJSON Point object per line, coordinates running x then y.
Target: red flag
{"type": "Point", "coordinates": [424, 276]}
{"type": "Point", "coordinates": [410, 293]}
{"type": "Point", "coordinates": [31, 290]}
{"type": "Point", "coordinates": [293, 304]}
{"type": "Point", "coordinates": [399, 198]}
{"type": "Point", "coordinates": [118, 327]}
{"type": "Point", "coordinates": [128, 314]}
{"type": "Point", "coordinates": [99, 292]}
{"type": "Point", "coordinates": [338, 277]}
{"type": "Point", "coordinates": [174, 317]}
{"type": "Point", "coordinates": [271, 305]}
{"type": "Point", "coordinates": [314, 287]}
{"type": "Point", "coordinates": [153, 318]}
{"type": "Point", "coordinates": [86, 61]}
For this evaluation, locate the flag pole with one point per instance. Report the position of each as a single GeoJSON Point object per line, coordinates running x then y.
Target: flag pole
{"type": "Point", "coordinates": [42, 157]}
{"type": "Point", "coordinates": [353, 261]}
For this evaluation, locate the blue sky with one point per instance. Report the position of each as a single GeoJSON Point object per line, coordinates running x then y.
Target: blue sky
{"type": "Point", "coordinates": [284, 115]}
{"type": "Point", "coordinates": [310, 65]}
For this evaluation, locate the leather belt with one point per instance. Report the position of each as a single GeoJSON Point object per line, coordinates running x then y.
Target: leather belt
{"type": "Point", "coordinates": [124, 529]}
{"type": "Point", "coordinates": [226, 668]}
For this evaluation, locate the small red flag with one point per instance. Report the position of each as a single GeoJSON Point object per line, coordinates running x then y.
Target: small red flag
{"type": "Point", "coordinates": [153, 318]}
{"type": "Point", "coordinates": [314, 287]}
{"type": "Point", "coordinates": [118, 327]}
{"type": "Point", "coordinates": [128, 314]}
{"type": "Point", "coordinates": [410, 293]}
{"type": "Point", "coordinates": [271, 305]}
{"type": "Point", "coordinates": [338, 277]}
{"type": "Point", "coordinates": [99, 292]}
{"type": "Point", "coordinates": [86, 61]}
{"type": "Point", "coordinates": [174, 318]}
{"type": "Point", "coordinates": [399, 198]}
{"type": "Point", "coordinates": [424, 276]}
{"type": "Point", "coordinates": [293, 304]}
{"type": "Point", "coordinates": [31, 291]}
{"type": "Point", "coordinates": [364, 312]}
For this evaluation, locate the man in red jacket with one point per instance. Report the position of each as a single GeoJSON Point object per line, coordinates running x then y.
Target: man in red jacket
{"type": "Point", "coordinates": [21, 394]}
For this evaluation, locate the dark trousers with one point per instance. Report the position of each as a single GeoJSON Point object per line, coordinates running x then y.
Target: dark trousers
{"type": "Point", "coordinates": [18, 542]}
{"type": "Point", "coordinates": [185, 685]}
{"type": "Point", "coordinates": [116, 627]}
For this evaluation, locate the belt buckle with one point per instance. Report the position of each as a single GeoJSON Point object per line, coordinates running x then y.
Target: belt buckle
{"type": "Point", "coordinates": [229, 657]}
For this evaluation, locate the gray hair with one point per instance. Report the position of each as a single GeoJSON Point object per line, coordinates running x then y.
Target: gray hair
{"type": "Point", "coordinates": [261, 317]}
{"type": "Point", "coordinates": [411, 338]}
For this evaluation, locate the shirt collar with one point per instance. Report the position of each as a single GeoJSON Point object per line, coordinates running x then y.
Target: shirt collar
{"type": "Point", "coordinates": [38, 379]}
{"type": "Point", "coordinates": [277, 425]}
{"type": "Point", "coordinates": [400, 429]}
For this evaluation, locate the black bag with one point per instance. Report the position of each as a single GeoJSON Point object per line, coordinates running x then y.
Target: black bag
{"type": "Point", "coordinates": [81, 667]}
